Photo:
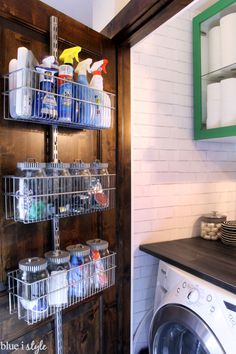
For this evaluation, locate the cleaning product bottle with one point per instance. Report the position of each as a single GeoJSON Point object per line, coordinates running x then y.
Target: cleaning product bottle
{"type": "Point", "coordinates": [26, 61]}
{"type": "Point", "coordinates": [12, 87]}
{"type": "Point", "coordinates": [45, 104]}
{"type": "Point", "coordinates": [101, 114]}
{"type": "Point", "coordinates": [83, 109]}
{"type": "Point", "coordinates": [65, 86]}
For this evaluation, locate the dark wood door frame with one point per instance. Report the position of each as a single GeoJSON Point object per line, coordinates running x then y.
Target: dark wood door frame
{"type": "Point", "coordinates": [138, 19]}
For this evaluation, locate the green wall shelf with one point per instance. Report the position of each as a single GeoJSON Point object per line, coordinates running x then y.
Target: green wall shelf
{"type": "Point", "coordinates": [201, 25]}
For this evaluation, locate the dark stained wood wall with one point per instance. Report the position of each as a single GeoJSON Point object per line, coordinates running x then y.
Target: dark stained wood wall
{"type": "Point", "coordinates": [91, 328]}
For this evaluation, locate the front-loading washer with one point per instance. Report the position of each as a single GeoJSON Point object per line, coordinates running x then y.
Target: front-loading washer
{"type": "Point", "coordinates": [191, 316]}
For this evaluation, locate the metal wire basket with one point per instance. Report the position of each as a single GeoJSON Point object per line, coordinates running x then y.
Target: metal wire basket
{"type": "Point", "coordinates": [34, 199]}
{"type": "Point", "coordinates": [27, 99]}
{"type": "Point", "coordinates": [36, 301]}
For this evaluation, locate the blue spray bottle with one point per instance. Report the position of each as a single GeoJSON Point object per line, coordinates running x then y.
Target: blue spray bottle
{"type": "Point", "coordinates": [44, 102]}
{"type": "Point", "coordinates": [82, 102]}
{"type": "Point", "coordinates": [65, 86]}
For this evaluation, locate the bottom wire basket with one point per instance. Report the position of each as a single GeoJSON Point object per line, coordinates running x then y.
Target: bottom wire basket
{"type": "Point", "coordinates": [34, 302]}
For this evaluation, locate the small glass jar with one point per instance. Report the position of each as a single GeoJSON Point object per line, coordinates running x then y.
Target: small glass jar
{"type": "Point", "coordinates": [30, 208]}
{"type": "Point", "coordinates": [58, 266]}
{"type": "Point", "coordinates": [32, 288]}
{"type": "Point", "coordinates": [79, 275]}
{"type": "Point", "coordinates": [99, 253]}
{"type": "Point", "coordinates": [81, 178]}
{"type": "Point", "coordinates": [60, 188]}
{"type": "Point", "coordinates": [211, 225]}
{"type": "Point", "coordinates": [99, 185]}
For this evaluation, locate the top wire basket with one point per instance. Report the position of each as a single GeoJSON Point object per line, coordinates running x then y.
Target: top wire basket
{"type": "Point", "coordinates": [28, 97]}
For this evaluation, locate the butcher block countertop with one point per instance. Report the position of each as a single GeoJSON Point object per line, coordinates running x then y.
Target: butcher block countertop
{"type": "Point", "coordinates": [210, 260]}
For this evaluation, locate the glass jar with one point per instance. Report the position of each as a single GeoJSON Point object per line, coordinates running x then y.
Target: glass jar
{"type": "Point", "coordinates": [29, 206]}
{"type": "Point", "coordinates": [79, 275]}
{"type": "Point", "coordinates": [58, 266]}
{"type": "Point", "coordinates": [32, 288]}
{"type": "Point", "coordinates": [81, 178]}
{"type": "Point", "coordinates": [211, 225]}
{"type": "Point", "coordinates": [99, 185]}
{"type": "Point", "coordinates": [60, 187]}
{"type": "Point", "coordinates": [99, 253]}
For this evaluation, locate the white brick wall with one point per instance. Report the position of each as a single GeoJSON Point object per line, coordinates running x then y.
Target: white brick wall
{"type": "Point", "coordinates": [174, 178]}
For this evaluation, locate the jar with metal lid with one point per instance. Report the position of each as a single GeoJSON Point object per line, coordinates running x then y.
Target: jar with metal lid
{"type": "Point", "coordinates": [32, 288]}
{"type": "Point", "coordinates": [81, 178]}
{"type": "Point", "coordinates": [211, 225]}
{"type": "Point", "coordinates": [60, 187]}
{"type": "Point", "coordinates": [79, 275]}
{"type": "Point", "coordinates": [58, 266]}
{"type": "Point", "coordinates": [29, 185]}
{"type": "Point", "coordinates": [99, 253]}
{"type": "Point", "coordinates": [99, 185]}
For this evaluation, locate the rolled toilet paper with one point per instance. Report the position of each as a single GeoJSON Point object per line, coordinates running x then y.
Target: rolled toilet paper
{"type": "Point", "coordinates": [228, 102]}
{"type": "Point", "coordinates": [214, 48]}
{"type": "Point", "coordinates": [213, 105]}
{"type": "Point", "coordinates": [228, 35]}
{"type": "Point", "coordinates": [204, 54]}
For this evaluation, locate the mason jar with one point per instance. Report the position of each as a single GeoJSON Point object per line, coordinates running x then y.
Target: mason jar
{"type": "Point", "coordinates": [58, 266]}
{"type": "Point", "coordinates": [80, 272]}
{"type": "Point", "coordinates": [32, 288]}
{"type": "Point", "coordinates": [81, 178]}
{"type": "Point", "coordinates": [100, 255]}
{"type": "Point", "coordinates": [59, 187]}
{"type": "Point", "coordinates": [99, 185]}
{"type": "Point", "coordinates": [31, 201]}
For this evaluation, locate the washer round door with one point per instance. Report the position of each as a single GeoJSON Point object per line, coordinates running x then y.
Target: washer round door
{"type": "Point", "coordinates": [176, 329]}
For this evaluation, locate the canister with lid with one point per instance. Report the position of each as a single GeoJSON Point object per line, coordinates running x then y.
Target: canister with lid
{"type": "Point", "coordinates": [30, 184]}
{"type": "Point", "coordinates": [58, 266]}
{"type": "Point", "coordinates": [99, 252]}
{"type": "Point", "coordinates": [211, 225]}
{"type": "Point", "coordinates": [32, 287]}
{"type": "Point", "coordinates": [60, 186]}
{"type": "Point", "coordinates": [99, 183]}
{"type": "Point", "coordinates": [79, 275]}
{"type": "Point", "coordinates": [81, 178]}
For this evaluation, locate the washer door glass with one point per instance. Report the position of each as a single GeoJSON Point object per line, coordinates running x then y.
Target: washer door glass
{"type": "Point", "coordinates": [176, 329]}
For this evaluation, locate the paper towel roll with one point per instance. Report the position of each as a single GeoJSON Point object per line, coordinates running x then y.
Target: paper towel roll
{"type": "Point", "coordinates": [228, 102]}
{"type": "Point", "coordinates": [228, 36]}
{"type": "Point", "coordinates": [213, 105]}
{"type": "Point", "coordinates": [214, 48]}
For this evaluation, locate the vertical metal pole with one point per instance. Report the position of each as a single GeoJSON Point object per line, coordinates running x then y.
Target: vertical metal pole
{"type": "Point", "coordinates": [54, 158]}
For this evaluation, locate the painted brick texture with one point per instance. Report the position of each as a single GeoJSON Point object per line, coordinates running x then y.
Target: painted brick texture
{"type": "Point", "coordinates": [174, 178]}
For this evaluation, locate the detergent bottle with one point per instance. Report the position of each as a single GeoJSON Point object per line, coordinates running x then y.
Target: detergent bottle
{"type": "Point", "coordinates": [82, 102]}
{"type": "Point", "coordinates": [45, 103]}
{"type": "Point", "coordinates": [101, 112]}
{"type": "Point", "coordinates": [65, 86]}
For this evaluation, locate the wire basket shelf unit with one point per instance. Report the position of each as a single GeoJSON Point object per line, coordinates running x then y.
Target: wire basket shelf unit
{"type": "Point", "coordinates": [36, 301]}
{"type": "Point", "coordinates": [34, 199]}
{"type": "Point", "coordinates": [27, 99]}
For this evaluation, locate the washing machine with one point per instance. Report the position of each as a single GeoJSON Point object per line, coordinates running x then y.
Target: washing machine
{"type": "Point", "coordinates": [191, 316]}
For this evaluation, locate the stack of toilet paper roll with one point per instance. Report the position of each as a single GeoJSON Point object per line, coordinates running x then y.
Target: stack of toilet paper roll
{"type": "Point", "coordinates": [221, 43]}
{"type": "Point", "coordinates": [221, 104]}
{"type": "Point", "coordinates": [221, 96]}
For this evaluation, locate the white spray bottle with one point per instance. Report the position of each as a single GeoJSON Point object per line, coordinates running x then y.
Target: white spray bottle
{"type": "Point", "coordinates": [101, 115]}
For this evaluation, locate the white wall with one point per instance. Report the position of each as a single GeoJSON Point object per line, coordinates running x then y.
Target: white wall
{"type": "Point", "coordinates": [80, 10]}
{"type": "Point", "coordinates": [104, 11]}
{"type": "Point", "coordinates": [175, 179]}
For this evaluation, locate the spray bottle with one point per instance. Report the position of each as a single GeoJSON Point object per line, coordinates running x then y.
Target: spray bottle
{"type": "Point", "coordinates": [101, 114]}
{"type": "Point", "coordinates": [65, 86]}
{"type": "Point", "coordinates": [83, 109]}
{"type": "Point", "coordinates": [45, 104]}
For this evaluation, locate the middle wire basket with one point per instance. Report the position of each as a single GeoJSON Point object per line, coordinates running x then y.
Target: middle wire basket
{"type": "Point", "coordinates": [36, 301]}
{"type": "Point", "coordinates": [34, 199]}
